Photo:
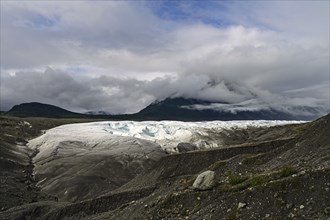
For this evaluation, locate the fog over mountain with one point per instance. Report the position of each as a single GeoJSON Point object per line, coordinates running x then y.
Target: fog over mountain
{"type": "Point", "coordinates": [130, 54]}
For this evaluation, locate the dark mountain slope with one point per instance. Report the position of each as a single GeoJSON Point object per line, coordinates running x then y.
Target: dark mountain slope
{"type": "Point", "coordinates": [35, 109]}
{"type": "Point", "coordinates": [170, 109]}
{"type": "Point", "coordinates": [177, 109]}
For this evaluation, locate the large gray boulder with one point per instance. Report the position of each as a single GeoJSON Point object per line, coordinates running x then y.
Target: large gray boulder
{"type": "Point", "coordinates": [204, 181]}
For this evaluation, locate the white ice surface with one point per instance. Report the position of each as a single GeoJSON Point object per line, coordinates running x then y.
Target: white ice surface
{"type": "Point", "coordinates": [113, 152]}
{"type": "Point", "coordinates": [165, 133]}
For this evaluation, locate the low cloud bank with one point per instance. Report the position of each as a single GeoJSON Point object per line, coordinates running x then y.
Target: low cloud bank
{"type": "Point", "coordinates": [117, 95]}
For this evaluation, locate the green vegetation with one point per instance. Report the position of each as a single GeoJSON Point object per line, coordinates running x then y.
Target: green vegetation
{"type": "Point", "coordinates": [240, 182]}
{"type": "Point", "coordinates": [258, 180]}
{"type": "Point", "coordinates": [217, 165]}
{"type": "Point", "coordinates": [235, 179]}
{"type": "Point", "coordinates": [287, 171]}
{"type": "Point", "coordinates": [253, 160]}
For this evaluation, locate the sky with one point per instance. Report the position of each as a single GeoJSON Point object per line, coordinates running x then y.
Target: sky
{"type": "Point", "coordinates": [119, 56]}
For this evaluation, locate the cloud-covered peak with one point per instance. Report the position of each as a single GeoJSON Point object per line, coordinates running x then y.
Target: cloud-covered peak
{"type": "Point", "coordinates": [129, 54]}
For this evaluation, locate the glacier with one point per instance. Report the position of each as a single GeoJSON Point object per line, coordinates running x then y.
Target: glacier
{"type": "Point", "coordinates": [85, 160]}
{"type": "Point", "coordinates": [167, 134]}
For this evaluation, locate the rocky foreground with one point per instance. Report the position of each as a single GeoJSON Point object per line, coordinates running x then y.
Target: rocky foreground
{"type": "Point", "coordinates": [261, 173]}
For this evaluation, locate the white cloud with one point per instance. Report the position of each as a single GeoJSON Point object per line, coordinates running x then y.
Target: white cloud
{"type": "Point", "coordinates": [301, 21]}
{"type": "Point", "coordinates": [125, 56]}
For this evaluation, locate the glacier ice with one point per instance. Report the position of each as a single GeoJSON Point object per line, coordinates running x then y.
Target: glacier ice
{"type": "Point", "coordinates": [165, 133]}
{"type": "Point", "coordinates": [83, 161]}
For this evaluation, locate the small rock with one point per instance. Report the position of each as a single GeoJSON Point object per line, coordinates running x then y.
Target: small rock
{"type": "Point", "coordinates": [289, 206]}
{"type": "Point", "coordinates": [241, 205]}
{"type": "Point", "coordinates": [228, 210]}
{"type": "Point", "coordinates": [291, 215]}
{"type": "Point", "coordinates": [301, 206]}
{"type": "Point", "coordinates": [327, 211]}
{"type": "Point", "coordinates": [198, 198]}
{"type": "Point", "coordinates": [275, 195]}
{"type": "Point", "coordinates": [204, 181]}
{"type": "Point", "coordinates": [267, 215]}
{"type": "Point", "coordinates": [327, 189]}
{"type": "Point", "coordinates": [145, 206]}
{"type": "Point", "coordinates": [282, 201]}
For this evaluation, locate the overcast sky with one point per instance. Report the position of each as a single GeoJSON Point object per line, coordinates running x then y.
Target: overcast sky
{"type": "Point", "coordinates": [119, 56]}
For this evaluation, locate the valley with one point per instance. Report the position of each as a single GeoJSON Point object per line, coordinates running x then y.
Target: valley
{"type": "Point", "coordinates": [164, 110]}
{"type": "Point", "coordinates": [137, 170]}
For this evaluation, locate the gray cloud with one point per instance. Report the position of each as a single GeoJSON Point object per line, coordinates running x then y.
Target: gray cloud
{"type": "Point", "coordinates": [125, 56]}
{"type": "Point", "coordinates": [117, 95]}
{"type": "Point", "coordinates": [50, 87]}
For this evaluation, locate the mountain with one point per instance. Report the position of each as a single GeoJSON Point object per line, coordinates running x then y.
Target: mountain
{"type": "Point", "coordinates": [170, 109]}
{"type": "Point", "coordinates": [184, 109]}
{"type": "Point", "coordinates": [35, 109]}
{"type": "Point", "coordinates": [181, 109]}
{"type": "Point", "coordinates": [231, 101]}
{"type": "Point", "coordinates": [97, 113]}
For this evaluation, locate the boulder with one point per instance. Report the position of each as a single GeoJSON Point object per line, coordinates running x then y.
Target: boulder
{"type": "Point", "coordinates": [185, 147]}
{"type": "Point", "coordinates": [204, 181]}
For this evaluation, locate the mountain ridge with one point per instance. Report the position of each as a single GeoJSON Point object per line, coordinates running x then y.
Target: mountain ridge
{"type": "Point", "coordinates": [178, 109]}
{"type": "Point", "coordinates": [37, 109]}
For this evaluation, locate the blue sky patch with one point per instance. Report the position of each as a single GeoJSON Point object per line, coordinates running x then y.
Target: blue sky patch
{"type": "Point", "coordinates": [208, 12]}
{"type": "Point", "coordinates": [40, 21]}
